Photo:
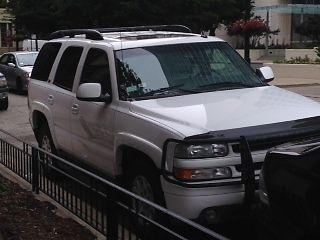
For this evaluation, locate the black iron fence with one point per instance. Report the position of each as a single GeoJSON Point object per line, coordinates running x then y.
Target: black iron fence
{"type": "Point", "coordinates": [110, 209]}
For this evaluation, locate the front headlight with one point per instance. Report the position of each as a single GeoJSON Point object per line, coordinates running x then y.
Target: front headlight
{"type": "Point", "coordinates": [200, 150]}
{"type": "Point", "coordinates": [27, 75]}
{"type": "Point", "coordinates": [3, 81]}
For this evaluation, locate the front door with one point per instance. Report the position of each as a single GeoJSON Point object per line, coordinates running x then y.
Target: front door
{"type": "Point", "coordinates": [92, 122]}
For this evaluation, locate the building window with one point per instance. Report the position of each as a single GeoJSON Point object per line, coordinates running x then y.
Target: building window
{"type": "Point", "coordinates": [6, 34]}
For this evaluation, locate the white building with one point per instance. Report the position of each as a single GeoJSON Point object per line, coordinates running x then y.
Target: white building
{"type": "Point", "coordinates": [283, 15]}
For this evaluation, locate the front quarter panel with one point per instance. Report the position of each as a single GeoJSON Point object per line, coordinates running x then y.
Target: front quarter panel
{"type": "Point", "coordinates": [136, 131]}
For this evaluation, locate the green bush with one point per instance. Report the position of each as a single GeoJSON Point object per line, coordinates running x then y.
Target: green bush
{"type": "Point", "coordinates": [299, 60]}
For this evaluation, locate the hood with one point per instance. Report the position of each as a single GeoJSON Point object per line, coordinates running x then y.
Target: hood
{"type": "Point", "coordinates": [27, 68]}
{"type": "Point", "coordinates": [221, 110]}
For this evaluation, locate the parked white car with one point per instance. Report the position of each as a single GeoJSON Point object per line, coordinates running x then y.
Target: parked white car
{"type": "Point", "coordinates": [163, 111]}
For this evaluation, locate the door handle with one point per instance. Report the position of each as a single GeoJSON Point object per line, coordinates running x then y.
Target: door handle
{"type": "Point", "coordinates": [50, 99]}
{"type": "Point", "coordinates": [75, 108]}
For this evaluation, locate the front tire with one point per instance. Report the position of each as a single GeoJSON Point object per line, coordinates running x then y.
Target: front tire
{"type": "Point", "coordinates": [19, 87]}
{"type": "Point", "coordinates": [143, 179]}
{"type": "Point", "coordinates": [4, 103]}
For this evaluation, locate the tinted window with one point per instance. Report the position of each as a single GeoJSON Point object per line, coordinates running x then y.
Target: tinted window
{"type": "Point", "coordinates": [44, 61]}
{"type": "Point", "coordinates": [4, 59]}
{"type": "Point", "coordinates": [67, 67]}
{"type": "Point", "coordinates": [96, 69]}
{"type": "Point", "coordinates": [11, 59]}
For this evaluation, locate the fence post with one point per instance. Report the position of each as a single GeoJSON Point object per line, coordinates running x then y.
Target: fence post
{"type": "Point", "coordinates": [247, 172]}
{"type": "Point", "coordinates": [35, 170]}
{"type": "Point", "coordinates": [112, 218]}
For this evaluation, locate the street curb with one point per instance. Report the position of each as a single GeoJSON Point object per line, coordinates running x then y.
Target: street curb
{"type": "Point", "coordinates": [297, 85]}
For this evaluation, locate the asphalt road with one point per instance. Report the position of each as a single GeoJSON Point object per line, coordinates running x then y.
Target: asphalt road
{"type": "Point", "coordinates": [15, 120]}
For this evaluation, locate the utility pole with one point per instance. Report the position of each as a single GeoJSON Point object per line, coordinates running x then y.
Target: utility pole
{"type": "Point", "coordinates": [247, 16]}
{"type": "Point", "coordinates": [267, 35]}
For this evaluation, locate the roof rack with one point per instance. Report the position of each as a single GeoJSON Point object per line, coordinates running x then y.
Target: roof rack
{"type": "Point", "coordinates": [90, 34]}
{"type": "Point", "coordinates": [174, 28]}
{"type": "Point", "coordinates": [95, 34]}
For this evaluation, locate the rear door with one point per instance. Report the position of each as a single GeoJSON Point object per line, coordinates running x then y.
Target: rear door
{"type": "Point", "coordinates": [60, 97]}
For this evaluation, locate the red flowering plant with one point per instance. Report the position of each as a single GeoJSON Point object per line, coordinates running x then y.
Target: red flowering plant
{"type": "Point", "coordinates": [255, 28]}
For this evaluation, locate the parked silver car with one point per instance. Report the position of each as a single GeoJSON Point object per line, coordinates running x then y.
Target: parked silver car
{"type": "Point", "coordinates": [4, 103]}
{"type": "Point", "coordinates": [17, 67]}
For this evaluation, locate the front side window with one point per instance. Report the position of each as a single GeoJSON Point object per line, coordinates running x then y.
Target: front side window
{"type": "Point", "coordinates": [67, 67]}
{"type": "Point", "coordinates": [96, 69]}
{"type": "Point", "coordinates": [171, 70]}
{"type": "Point", "coordinates": [11, 59]}
{"type": "Point", "coordinates": [4, 59]}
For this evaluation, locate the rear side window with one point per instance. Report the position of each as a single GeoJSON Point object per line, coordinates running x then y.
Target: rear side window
{"type": "Point", "coordinates": [67, 67]}
{"type": "Point", "coordinates": [44, 61]}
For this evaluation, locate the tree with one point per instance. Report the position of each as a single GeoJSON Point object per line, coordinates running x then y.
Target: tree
{"type": "Point", "coordinates": [46, 16]}
{"type": "Point", "coordinates": [252, 31]}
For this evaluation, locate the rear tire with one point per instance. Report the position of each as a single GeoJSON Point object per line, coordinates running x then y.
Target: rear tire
{"type": "Point", "coordinates": [4, 103]}
{"type": "Point", "coordinates": [45, 142]}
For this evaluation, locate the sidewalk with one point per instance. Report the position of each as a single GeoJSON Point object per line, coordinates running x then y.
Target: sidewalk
{"type": "Point", "coordinates": [295, 74]}
{"type": "Point", "coordinates": [281, 82]}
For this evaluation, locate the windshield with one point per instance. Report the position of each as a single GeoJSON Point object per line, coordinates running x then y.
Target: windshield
{"type": "Point", "coordinates": [26, 59]}
{"type": "Point", "coordinates": [170, 70]}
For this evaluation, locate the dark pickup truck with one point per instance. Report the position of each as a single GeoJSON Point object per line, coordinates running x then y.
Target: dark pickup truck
{"type": "Point", "coordinates": [290, 190]}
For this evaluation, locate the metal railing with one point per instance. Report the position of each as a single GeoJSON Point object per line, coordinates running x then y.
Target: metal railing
{"type": "Point", "coordinates": [107, 207]}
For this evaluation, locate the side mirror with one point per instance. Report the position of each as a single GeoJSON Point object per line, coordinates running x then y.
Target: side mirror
{"type": "Point", "coordinates": [265, 73]}
{"type": "Point", "coordinates": [10, 64]}
{"type": "Point", "coordinates": [91, 92]}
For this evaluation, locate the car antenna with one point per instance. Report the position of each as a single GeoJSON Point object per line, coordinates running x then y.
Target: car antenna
{"type": "Point", "coordinates": [205, 34]}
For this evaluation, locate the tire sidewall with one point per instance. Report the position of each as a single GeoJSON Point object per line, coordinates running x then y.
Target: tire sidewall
{"type": "Point", "coordinates": [151, 175]}
{"type": "Point", "coordinates": [4, 103]}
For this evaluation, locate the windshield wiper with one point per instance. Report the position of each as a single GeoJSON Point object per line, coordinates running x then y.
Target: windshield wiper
{"type": "Point", "coordinates": [168, 90]}
{"type": "Point", "coordinates": [225, 85]}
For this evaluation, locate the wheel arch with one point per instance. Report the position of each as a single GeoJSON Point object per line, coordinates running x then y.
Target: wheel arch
{"type": "Point", "coordinates": [39, 117]}
{"type": "Point", "coordinates": [128, 146]}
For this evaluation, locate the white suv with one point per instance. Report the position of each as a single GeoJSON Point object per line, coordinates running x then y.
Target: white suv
{"type": "Point", "coordinates": [163, 110]}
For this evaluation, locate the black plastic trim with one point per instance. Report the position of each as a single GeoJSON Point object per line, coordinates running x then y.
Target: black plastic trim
{"type": "Point", "coordinates": [90, 34]}
{"type": "Point", "coordinates": [4, 89]}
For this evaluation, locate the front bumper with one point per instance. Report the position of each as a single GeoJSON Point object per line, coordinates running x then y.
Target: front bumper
{"type": "Point", "coordinates": [190, 199]}
{"type": "Point", "coordinates": [190, 202]}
